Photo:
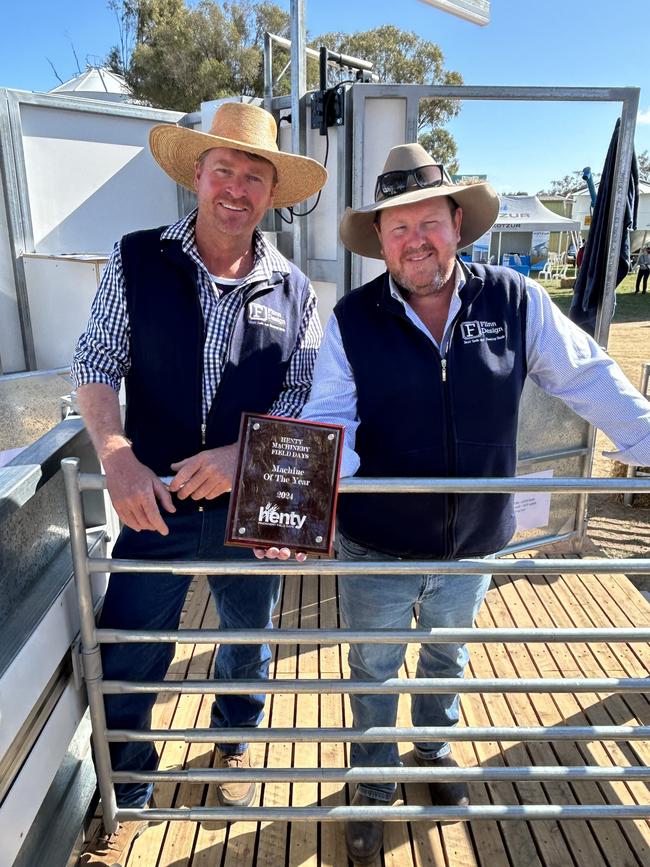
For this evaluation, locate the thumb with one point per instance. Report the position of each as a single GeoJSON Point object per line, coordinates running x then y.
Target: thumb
{"type": "Point", "coordinates": [163, 496]}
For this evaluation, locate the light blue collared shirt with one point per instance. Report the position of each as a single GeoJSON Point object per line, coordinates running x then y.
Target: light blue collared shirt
{"type": "Point", "coordinates": [561, 358]}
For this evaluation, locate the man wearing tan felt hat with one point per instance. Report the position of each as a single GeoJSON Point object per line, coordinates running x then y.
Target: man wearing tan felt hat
{"type": "Point", "coordinates": [425, 367]}
{"type": "Point", "coordinates": [203, 319]}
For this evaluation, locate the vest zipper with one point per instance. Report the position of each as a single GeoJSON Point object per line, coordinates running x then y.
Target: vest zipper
{"type": "Point", "coordinates": [452, 499]}
{"type": "Point", "coordinates": [203, 430]}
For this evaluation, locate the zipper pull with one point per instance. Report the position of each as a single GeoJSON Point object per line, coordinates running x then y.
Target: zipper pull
{"type": "Point", "coordinates": [443, 364]}
{"type": "Point", "coordinates": [203, 429]}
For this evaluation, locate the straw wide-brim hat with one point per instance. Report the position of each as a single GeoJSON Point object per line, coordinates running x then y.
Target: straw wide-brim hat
{"type": "Point", "coordinates": [242, 127]}
{"type": "Point", "coordinates": [479, 202]}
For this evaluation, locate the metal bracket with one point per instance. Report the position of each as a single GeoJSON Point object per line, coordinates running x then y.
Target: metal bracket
{"type": "Point", "coordinates": [77, 663]}
{"type": "Point", "coordinates": [327, 108]}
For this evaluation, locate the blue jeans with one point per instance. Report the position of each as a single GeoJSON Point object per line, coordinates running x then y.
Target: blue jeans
{"type": "Point", "coordinates": [155, 601]}
{"type": "Point", "coordinates": [385, 602]}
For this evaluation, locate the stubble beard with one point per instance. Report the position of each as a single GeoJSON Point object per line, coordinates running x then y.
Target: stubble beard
{"type": "Point", "coordinates": [434, 284]}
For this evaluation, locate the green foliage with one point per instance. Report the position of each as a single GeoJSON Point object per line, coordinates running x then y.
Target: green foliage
{"type": "Point", "coordinates": [176, 56]}
{"type": "Point", "coordinates": [442, 147]}
{"type": "Point", "coordinates": [403, 57]}
{"type": "Point", "coordinates": [565, 186]}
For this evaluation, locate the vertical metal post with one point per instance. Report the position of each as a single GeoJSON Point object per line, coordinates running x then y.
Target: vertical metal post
{"type": "Point", "coordinates": [618, 198]}
{"type": "Point", "coordinates": [298, 88]}
{"type": "Point", "coordinates": [643, 388]}
{"type": "Point", "coordinates": [90, 652]}
{"type": "Point", "coordinates": [268, 69]}
{"type": "Point", "coordinates": [19, 222]}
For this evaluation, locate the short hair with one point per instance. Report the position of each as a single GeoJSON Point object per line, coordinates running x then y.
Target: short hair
{"type": "Point", "coordinates": [251, 156]}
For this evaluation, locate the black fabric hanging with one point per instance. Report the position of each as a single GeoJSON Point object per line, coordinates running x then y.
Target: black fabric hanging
{"type": "Point", "coordinates": [588, 291]}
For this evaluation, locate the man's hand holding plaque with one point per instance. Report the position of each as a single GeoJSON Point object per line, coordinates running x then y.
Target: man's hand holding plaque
{"type": "Point", "coordinates": [286, 485]}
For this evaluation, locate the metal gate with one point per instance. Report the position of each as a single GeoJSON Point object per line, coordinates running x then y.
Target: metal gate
{"type": "Point", "coordinates": [92, 638]}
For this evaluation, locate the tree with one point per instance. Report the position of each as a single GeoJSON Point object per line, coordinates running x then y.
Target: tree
{"type": "Point", "coordinates": [176, 57]}
{"type": "Point", "coordinates": [442, 147]}
{"type": "Point", "coordinates": [401, 56]}
{"type": "Point", "coordinates": [567, 185]}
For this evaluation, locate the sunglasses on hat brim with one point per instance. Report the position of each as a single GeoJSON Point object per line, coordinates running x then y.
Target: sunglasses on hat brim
{"type": "Point", "coordinates": [397, 182]}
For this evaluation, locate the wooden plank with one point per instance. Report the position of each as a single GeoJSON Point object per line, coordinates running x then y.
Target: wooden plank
{"type": "Point", "coordinates": [243, 837]}
{"type": "Point", "coordinates": [612, 710]}
{"type": "Point", "coordinates": [618, 613]}
{"type": "Point", "coordinates": [518, 836]}
{"type": "Point", "coordinates": [578, 837]}
{"type": "Point", "coordinates": [623, 709]}
{"type": "Point", "coordinates": [440, 842]}
{"type": "Point", "coordinates": [303, 845]}
{"type": "Point", "coordinates": [601, 659]}
{"type": "Point", "coordinates": [565, 708]}
{"type": "Point", "coordinates": [397, 836]}
{"type": "Point", "coordinates": [332, 755]}
{"type": "Point", "coordinates": [181, 712]}
{"type": "Point", "coordinates": [272, 842]}
{"type": "Point", "coordinates": [181, 836]}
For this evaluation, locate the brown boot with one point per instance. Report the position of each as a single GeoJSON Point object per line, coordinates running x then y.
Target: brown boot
{"type": "Point", "coordinates": [454, 794]}
{"type": "Point", "coordinates": [364, 839]}
{"type": "Point", "coordinates": [234, 794]}
{"type": "Point", "coordinates": [112, 850]}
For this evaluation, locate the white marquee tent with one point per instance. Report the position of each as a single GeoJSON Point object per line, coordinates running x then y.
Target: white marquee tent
{"type": "Point", "coordinates": [522, 229]}
{"type": "Point", "coordinates": [528, 214]}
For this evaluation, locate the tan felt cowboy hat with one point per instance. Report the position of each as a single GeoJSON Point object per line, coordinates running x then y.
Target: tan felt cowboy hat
{"type": "Point", "coordinates": [245, 128]}
{"type": "Point", "coordinates": [416, 178]}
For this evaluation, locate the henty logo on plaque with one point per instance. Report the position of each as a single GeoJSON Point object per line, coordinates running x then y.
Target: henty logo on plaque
{"type": "Point", "coordinates": [286, 484]}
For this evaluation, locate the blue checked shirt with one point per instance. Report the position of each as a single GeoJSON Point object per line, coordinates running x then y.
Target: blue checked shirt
{"type": "Point", "coordinates": [103, 352]}
{"type": "Point", "coordinates": [561, 358]}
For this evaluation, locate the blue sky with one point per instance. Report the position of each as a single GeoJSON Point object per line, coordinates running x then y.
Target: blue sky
{"type": "Point", "coordinates": [520, 146]}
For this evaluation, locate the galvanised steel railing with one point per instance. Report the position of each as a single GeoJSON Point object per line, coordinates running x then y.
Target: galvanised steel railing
{"type": "Point", "coordinates": [92, 638]}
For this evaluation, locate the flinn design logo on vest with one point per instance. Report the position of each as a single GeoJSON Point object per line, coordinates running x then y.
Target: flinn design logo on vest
{"type": "Point", "coordinates": [476, 331]}
{"type": "Point", "coordinates": [262, 315]}
{"type": "Point", "coordinates": [271, 515]}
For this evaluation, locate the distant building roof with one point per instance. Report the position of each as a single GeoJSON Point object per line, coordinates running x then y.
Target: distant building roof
{"type": "Point", "coordinates": [96, 83]}
{"type": "Point", "coordinates": [644, 188]}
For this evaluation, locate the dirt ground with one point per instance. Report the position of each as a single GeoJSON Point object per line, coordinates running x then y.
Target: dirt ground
{"type": "Point", "coordinates": [615, 529]}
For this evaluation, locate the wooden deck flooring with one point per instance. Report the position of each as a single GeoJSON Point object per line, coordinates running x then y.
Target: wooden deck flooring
{"type": "Point", "coordinates": [567, 600]}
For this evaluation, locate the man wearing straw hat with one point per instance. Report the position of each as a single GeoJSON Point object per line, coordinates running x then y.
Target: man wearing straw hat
{"type": "Point", "coordinates": [203, 319]}
{"type": "Point", "coordinates": [425, 367]}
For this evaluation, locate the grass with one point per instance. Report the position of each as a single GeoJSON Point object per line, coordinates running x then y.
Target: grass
{"type": "Point", "coordinates": [629, 307]}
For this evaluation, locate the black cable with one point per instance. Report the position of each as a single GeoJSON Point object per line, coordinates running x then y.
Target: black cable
{"type": "Point", "coordinates": [290, 209]}
{"type": "Point", "coordinates": [315, 205]}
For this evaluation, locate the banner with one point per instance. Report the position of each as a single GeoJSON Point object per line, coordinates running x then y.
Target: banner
{"type": "Point", "coordinates": [539, 251]}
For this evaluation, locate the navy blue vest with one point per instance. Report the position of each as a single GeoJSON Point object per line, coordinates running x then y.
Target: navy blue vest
{"type": "Point", "coordinates": [164, 382]}
{"type": "Point", "coordinates": [416, 421]}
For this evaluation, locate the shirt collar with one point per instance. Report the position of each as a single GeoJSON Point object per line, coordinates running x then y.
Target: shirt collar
{"type": "Point", "coordinates": [266, 259]}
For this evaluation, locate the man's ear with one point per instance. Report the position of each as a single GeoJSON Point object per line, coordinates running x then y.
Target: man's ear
{"type": "Point", "coordinates": [377, 227]}
{"type": "Point", "coordinates": [197, 174]}
{"type": "Point", "coordinates": [458, 221]}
